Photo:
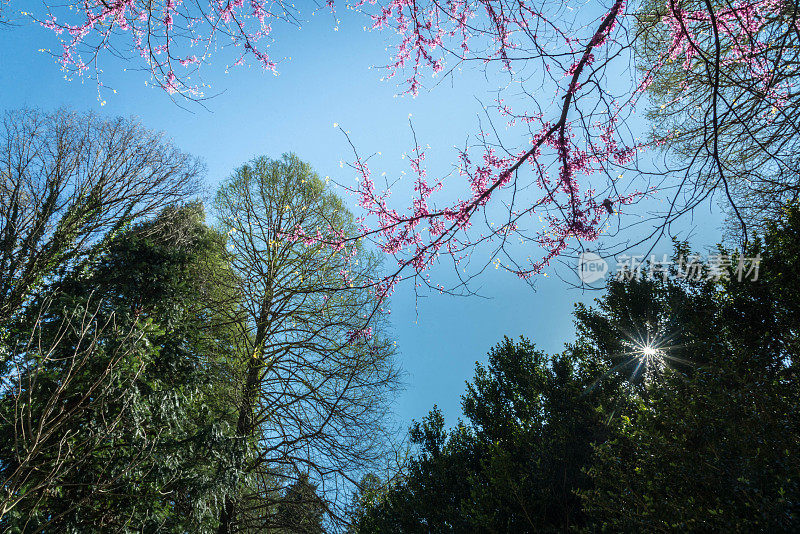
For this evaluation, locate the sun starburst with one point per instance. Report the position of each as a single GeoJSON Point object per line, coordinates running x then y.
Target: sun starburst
{"type": "Point", "coordinates": [650, 351]}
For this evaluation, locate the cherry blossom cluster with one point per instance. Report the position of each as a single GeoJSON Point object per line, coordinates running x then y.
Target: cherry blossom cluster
{"type": "Point", "coordinates": [570, 145]}
{"type": "Point", "coordinates": [354, 336]}
{"type": "Point", "coordinates": [570, 149]}
{"type": "Point", "coordinates": [171, 37]}
{"type": "Point", "coordinates": [427, 229]}
{"type": "Point", "coordinates": [741, 29]}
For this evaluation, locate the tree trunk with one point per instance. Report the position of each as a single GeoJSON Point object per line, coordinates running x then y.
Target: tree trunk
{"type": "Point", "coordinates": [244, 425]}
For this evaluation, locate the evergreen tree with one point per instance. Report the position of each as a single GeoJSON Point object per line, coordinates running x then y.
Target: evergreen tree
{"type": "Point", "coordinates": [516, 463]}
{"type": "Point", "coordinates": [676, 409]}
{"type": "Point", "coordinates": [130, 428]}
{"type": "Point", "coordinates": [301, 510]}
{"type": "Point", "coordinates": [711, 443]}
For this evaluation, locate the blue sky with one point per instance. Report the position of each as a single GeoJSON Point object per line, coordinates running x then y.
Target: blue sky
{"type": "Point", "coordinates": [329, 80]}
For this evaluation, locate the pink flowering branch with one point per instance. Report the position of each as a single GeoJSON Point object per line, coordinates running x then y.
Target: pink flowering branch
{"type": "Point", "coordinates": [417, 238]}
{"type": "Point", "coordinates": [578, 143]}
{"type": "Point", "coordinates": [725, 73]}
{"type": "Point", "coordinates": [170, 38]}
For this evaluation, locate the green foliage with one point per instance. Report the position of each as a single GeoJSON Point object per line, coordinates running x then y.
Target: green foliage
{"type": "Point", "coordinates": [515, 465]}
{"type": "Point", "coordinates": [166, 376]}
{"type": "Point", "coordinates": [714, 447]}
{"type": "Point", "coordinates": [701, 434]}
{"type": "Point", "coordinates": [301, 510]}
{"type": "Point", "coordinates": [142, 390]}
{"type": "Point", "coordinates": [70, 181]}
{"type": "Point", "coordinates": [144, 435]}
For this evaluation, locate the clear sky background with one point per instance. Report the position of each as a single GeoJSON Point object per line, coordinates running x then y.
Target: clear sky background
{"type": "Point", "coordinates": [329, 80]}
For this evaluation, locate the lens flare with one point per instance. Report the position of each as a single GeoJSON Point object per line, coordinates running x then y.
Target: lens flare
{"type": "Point", "coordinates": [649, 351]}
{"type": "Point", "coordinates": [651, 359]}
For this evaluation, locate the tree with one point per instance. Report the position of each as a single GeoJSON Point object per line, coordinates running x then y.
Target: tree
{"type": "Point", "coordinates": [116, 413]}
{"type": "Point", "coordinates": [517, 463]}
{"type": "Point", "coordinates": [712, 444]}
{"type": "Point", "coordinates": [69, 181]}
{"type": "Point", "coordinates": [71, 184]}
{"type": "Point", "coordinates": [674, 410]}
{"type": "Point", "coordinates": [720, 75]}
{"type": "Point", "coordinates": [301, 510]}
{"type": "Point", "coordinates": [319, 369]}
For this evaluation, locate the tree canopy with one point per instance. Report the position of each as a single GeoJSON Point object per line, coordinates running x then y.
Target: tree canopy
{"type": "Point", "coordinates": [160, 374]}
{"type": "Point", "coordinates": [319, 367]}
{"type": "Point", "coordinates": [674, 409]}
